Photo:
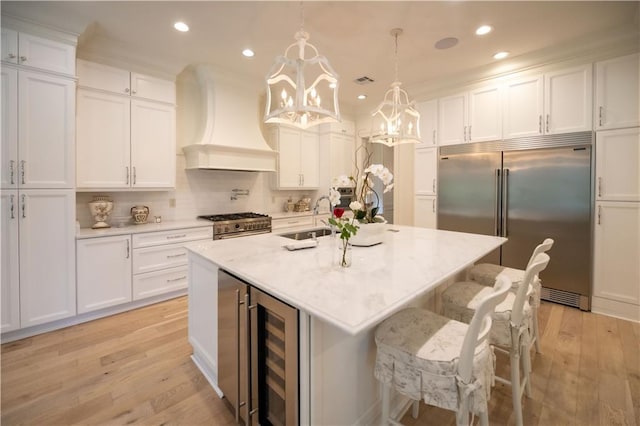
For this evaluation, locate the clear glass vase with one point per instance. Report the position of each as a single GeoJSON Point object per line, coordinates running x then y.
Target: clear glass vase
{"type": "Point", "coordinates": [344, 254]}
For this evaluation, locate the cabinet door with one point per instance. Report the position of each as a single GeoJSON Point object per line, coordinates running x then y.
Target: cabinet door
{"type": "Point", "coordinates": [342, 151]}
{"type": "Point", "coordinates": [522, 107]}
{"type": "Point", "coordinates": [618, 165]}
{"type": "Point", "coordinates": [144, 86]}
{"type": "Point", "coordinates": [104, 272]}
{"type": "Point", "coordinates": [428, 121]}
{"type": "Point", "coordinates": [617, 250]}
{"type": "Point", "coordinates": [425, 214]}
{"type": "Point", "coordinates": [289, 154]}
{"type": "Point", "coordinates": [10, 297]}
{"type": "Point", "coordinates": [485, 114]}
{"type": "Point", "coordinates": [46, 54]}
{"type": "Point", "coordinates": [568, 100]}
{"type": "Point", "coordinates": [103, 154]}
{"type": "Point", "coordinates": [103, 77]}
{"type": "Point", "coordinates": [46, 131]}
{"type": "Point", "coordinates": [9, 157]}
{"type": "Point", "coordinates": [9, 46]}
{"type": "Point", "coordinates": [426, 170]}
{"type": "Point", "coordinates": [617, 92]}
{"type": "Point", "coordinates": [153, 144]}
{"type": "Point", "coordinates": [310, 159]}
{"type": "Point", "coordinates": [452, 119]}
{"type": "Point", "coordinates": [47, 256]}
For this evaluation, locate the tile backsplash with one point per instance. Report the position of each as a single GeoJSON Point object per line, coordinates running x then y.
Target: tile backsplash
{"type": "Point", "coordinates": [197, 192]}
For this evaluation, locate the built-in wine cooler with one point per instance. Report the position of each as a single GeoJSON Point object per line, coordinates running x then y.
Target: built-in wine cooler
{"type": "Point", "coordinates": [257, 354]}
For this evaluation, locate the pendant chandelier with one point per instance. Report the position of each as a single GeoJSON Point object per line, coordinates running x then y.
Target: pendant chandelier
{"type": "Point", "coordinates": [302, 91]}
{"type": "Point", "coordinates": [395, 121]}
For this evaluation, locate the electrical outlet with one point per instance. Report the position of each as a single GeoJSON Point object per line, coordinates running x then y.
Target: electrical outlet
{"type": "Point", "coordinates": [172, 202]}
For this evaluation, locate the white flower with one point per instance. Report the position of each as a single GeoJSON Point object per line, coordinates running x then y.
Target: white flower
{"type": "Point", "coordinates": [339, 181]}
{"type": "Point", "coordinates": [386, 176]}
{"type": "Point", "coordinates": [374, 169]}
{"type": "Point", "coordinates": [388, 188]}
{"type": "Point", "coordinates": [355, 205]}
{"type": "Point", "coordinates": [334, 197]}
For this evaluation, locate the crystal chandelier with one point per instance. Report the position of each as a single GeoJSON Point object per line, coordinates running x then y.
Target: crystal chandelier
{"type": "Point", "coordinates": [301, 91]}
{"type": "Point", "coordinates": [395, 121]}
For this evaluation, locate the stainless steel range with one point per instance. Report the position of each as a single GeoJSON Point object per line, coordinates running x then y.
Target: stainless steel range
{"type": "Point", "coordinates": [238, 224]}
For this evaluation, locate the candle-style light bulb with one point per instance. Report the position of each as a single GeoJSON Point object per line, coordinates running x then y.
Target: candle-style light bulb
{"type": "Point", "coordinates": [284, 94]}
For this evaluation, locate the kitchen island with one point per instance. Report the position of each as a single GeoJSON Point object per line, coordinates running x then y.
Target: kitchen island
{"type": "Point", "coordinates": [338, 307]}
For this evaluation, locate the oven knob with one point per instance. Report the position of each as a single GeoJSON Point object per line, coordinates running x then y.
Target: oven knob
{"type": "Point", "coordinates": [237, 225]}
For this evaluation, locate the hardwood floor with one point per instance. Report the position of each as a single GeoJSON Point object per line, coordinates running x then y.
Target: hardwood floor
{"type": "Point", "coordinates": [134, 368]}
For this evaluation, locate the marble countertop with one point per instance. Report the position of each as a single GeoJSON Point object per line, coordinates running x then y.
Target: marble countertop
{"type": "Point", "coordinates": [382, 280]}
{"type": "Point", "coordinates": [136, 229]}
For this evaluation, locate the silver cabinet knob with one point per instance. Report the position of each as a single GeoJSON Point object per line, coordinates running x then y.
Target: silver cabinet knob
{"type": "Point", "coordinates": [11, 56]}
{"type": "Point", "coordinates": [23, 58]}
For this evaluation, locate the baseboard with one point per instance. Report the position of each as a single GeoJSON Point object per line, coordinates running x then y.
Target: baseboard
{"type": "Point", "coordinates": [616, 309]}
{"type": "Point", "coordinates": [207, 373]}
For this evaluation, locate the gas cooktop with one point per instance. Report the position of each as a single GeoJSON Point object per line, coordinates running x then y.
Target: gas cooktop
{"type": "Point", "coordinates": [233, 216]}
{"type": "Point", "coordinates": [233, 225]}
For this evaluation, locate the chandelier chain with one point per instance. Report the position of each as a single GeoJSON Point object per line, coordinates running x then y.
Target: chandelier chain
{"type": "Point", "coordinates": [396, 34]}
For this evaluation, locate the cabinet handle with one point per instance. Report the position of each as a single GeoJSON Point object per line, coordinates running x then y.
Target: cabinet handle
{"type": "Point", "coordinates": [599, 214]}
{"type": "Point", "coordinates": [184, 277]}
{"type": "Point", "coordinates": [126, 90]}
{"type": "Point", "coordinates": [127, 172]}
{"type": "Point", "coordinates": [134, 175]}
{"type": "Point", "coordinates": [12, 165]}
{"type": "Point", "coordinates": [13, 216]}
{"type": "Point", "coordinates": [128, 249]}
{"type": "Point", "coordinates": [22, 167]}
{"type": "Point", "coordinates": [170, 237]}
{"type": "Point", "coordinates": [600, 109]}
{"type": "Point", "coordinates": [464, 133]}
{"type": "Point", "coordinates": [469, 134]}
{"type": "Point", "coordinates": [433, 205]}
{"type": "Point", "coordinates": [23, 58]}
{"type": "Point", "coordinates": [433, 187]}
{"type": "Point", "coordinates": [302, 180]}
{"type": "Point", "coordinates": [24, 208]}
{"type": "Point", "coordinates": [599, 186]}
{"type": "Point", "coordinates": [540, 124]}
{"type": "Point", "coordinates": [547, 125]}
{"type": "Point", "coordinates": [171, 256]}
{"type": "Point", "coordinates": [434, 136]}
{"type": "Point", "coordinates": [134, 92]}
{"type": "Point", "coordinates": [11, 56]}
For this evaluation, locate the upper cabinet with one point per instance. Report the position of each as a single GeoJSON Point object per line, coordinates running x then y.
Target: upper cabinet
{"type": "Point", "coordinates": [474, 116]}
{"type": "Point", "coordinates": [298, 165]}
{"type": "Point", "coordinates": [618, 165]}
{"type": "Point", "coordinates": [37, 52]}
{"type": "Point", "coordinates": [340, 138]}
{"type": "Point", "coordinates": [556, 102]}
{"type": "Point", "coordinates": [124, 140]}
{"type": "Point", "coordinates": [428, 122]}
{"type": "Point", "coordinates": [617, 88]}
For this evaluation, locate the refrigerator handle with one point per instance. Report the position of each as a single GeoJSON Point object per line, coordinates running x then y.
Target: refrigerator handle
{"type": "Point", "coordinates": [505, 203]}
{"type": "Point", "coordinates": [250, 331]}
{"type": "Point", "coordinates": [238, 403]}
{"type": "Point", "coordinates": [498, 187]}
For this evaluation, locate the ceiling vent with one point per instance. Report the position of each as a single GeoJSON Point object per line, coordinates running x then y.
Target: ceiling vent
{"type": "Point", "coordinates": [363, 80]}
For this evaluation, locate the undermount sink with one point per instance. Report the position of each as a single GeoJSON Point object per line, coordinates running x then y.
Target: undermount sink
{"type": "Point", "coordinates": [305, 235]}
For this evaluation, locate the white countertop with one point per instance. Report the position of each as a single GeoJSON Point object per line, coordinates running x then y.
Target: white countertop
{"type": "Point", "coordinates": [382, 279]}
{"type": "Point", "coordinates": [136, 229]}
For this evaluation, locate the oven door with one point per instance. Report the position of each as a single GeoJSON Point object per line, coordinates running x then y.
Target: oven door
{"type": "Point", "coordinates": [346, 197]}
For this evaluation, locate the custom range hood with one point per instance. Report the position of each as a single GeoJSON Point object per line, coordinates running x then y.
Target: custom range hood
{"type": "Point", "coordinates": [219, 123]}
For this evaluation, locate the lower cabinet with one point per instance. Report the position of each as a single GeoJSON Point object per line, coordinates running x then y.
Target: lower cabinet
{"type": "Point", "coordinates": [617, 249]}
{"type": "Point", "coordinates": [104, 272]}
{"type": "Point", "coordinates": [425, 211]}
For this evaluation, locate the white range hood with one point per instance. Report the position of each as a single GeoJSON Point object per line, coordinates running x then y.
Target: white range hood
{"type": "Point", "coordinates": [222, 120]}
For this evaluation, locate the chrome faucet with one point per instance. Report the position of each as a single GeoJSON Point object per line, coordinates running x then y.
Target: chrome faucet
{"type": "Point", "coordinates": [315, 213]}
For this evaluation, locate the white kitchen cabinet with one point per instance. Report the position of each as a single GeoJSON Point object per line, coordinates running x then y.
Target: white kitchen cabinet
{"type": "Point", "coordinates": [617, 100]}
{"type": "Point", "coordinates": [474, 116]}
{"type": "Point", "coordinates": [298, 165]}
{"type": "Point", "coordinates": [104, 272]}
{"type": "Point", "coordinates": [115, 80]}
{"type": "Point", "coordinates": [280, 224]}
{"type": "Point", "coordinates": [38, 136]}
{"type": "Point", "coordinates": [553, 103]}
{"type": "Point", "coordinates": [426, 170]}
{"type": "Point", "coordinates": [428, 122]}
{"type": "Point", "coordinates": [32, 51]}
{"type": "Point", "coordinates": [46, 255]}
{"type": "Point", "coordinates": [123, 141]}
{"type": "Point", "coordinates": [617, 250]}
{"type": "Point", "coordinates": [340, 138]}
{"type": "Point", "coordinates": [618, 165]}
{"type": "Point", "coordinates": [10, 284]}
{"type": "Point", "coordinates": [425, 211]}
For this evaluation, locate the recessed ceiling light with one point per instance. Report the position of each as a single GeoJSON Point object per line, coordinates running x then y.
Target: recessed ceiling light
{"type": "Point", "coordinates": [361, 97]}
{"type": "Point", "coordinates": [181, 26]}
{"type": "Point", "coordinates": [500, 55]}
{"type": "Point", "coordinates": [484, 29]}
{"type": "Point", "coordinates": [248, 53]}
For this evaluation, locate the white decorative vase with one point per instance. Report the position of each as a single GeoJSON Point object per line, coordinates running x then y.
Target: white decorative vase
{"type": "Point", "coordinates": [100, 209]}
{"type": "Point", "coordinates": [369, 234]}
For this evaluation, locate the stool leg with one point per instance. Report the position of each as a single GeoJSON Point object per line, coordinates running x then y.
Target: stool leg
{"type": "Point", "coordinates": [462, 415]}
{"type": "Point", "coordinates": [484, 417]}
{"type": "Point", "coordinates": [515, 383]}
{"type": "Point", "coordinates": [415, 408]}
{"type": "Point", "coordinates": [386, 391]}
{"type": "Point", "coordinates": [526, 364]}
{"type": "Point", "coordinates": [536, 335]}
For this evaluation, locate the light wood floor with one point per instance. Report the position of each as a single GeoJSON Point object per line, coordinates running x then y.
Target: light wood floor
{"type": "Point", "coordinates": [134, 368]}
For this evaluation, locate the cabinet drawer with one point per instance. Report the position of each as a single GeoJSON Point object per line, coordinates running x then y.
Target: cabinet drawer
{"type": "Point", "coordinates": [176, 236]}
{"type": "Point", "coordinates": [159, 282]}
{"type": "Point", "coordinates": [158, 257]}
{"type": "Point", "coordinates": [291, 222]}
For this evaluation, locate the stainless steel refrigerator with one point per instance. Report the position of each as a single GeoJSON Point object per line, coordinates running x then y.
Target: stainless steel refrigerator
{"type": "Point", "coordinates": [526, 190]}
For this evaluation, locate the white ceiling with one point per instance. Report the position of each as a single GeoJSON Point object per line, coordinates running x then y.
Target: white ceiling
{"type": "Point", "coordinates": [354, 36]}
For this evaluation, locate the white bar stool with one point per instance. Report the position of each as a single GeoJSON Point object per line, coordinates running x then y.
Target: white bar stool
{"type": "Point", "coordinates": [447, 363]}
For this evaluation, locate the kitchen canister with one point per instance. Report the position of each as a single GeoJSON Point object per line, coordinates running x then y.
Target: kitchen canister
{"type": "Point", "coordinates": [100, 207]}
{"type": "Point", "coordinates": [139, 214]}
